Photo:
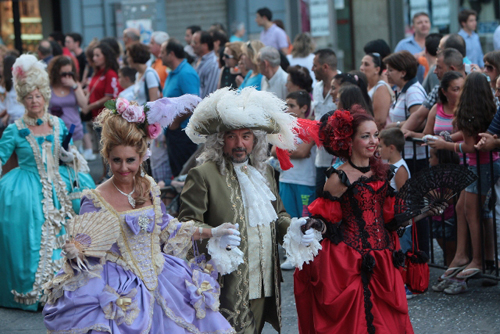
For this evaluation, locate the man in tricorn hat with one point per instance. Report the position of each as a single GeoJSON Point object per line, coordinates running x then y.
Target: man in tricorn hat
{"type": "Point", "coordinates": [233, 183]}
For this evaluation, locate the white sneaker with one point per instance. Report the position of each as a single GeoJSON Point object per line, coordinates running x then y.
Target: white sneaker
{"type": "Point", "coordinates": [89, 155]}
{"type": "Point", "coordinates": [287, 265]}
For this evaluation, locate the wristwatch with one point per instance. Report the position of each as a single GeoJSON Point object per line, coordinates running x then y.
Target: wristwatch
{"type": "Point", "coordinates": [75, 86]}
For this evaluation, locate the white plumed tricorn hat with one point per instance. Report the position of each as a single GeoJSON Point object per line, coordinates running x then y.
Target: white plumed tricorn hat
{"type": "Point", "coordinates": [227, 109]}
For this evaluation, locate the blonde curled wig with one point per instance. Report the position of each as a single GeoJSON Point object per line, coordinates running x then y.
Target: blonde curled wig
{"type": "Point", "coordinates": [30, 74]}
{"type": "Point", "coordinates": [118, 131]}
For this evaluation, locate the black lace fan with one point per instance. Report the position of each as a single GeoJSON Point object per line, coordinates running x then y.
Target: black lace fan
{"type": "Point", "coordinates": [434, 185]}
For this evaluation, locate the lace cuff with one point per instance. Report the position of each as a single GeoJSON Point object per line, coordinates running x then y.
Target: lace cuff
{"type": "Point", "coordinates": [297, 253]}
{"type": "Point", "coordinates": [178, 238]}
{"type": "Point", "coordinates": [225, 261]}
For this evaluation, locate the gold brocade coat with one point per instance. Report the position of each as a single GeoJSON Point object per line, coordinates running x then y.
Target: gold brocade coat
{"type": "Point", "coordinates": [213, 199]}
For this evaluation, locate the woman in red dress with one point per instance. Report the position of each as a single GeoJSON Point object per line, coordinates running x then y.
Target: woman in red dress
{"type": "Point", "coordinates": [354, 285]}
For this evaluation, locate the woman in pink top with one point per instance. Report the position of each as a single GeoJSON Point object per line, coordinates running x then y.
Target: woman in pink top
{"type": "Point", "coordinates": [475, 111]}
{"type": "Point", "coordinates": [442, 113]}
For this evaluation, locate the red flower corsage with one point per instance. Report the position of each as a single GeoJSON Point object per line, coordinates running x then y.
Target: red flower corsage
{"type": "Point", "coordinates": [340, 124]}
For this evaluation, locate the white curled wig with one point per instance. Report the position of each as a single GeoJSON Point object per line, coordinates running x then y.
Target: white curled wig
{"type": "Point", "coordinates": [214, 151]}
{"type": "Point", "coordinates": [29, 74]}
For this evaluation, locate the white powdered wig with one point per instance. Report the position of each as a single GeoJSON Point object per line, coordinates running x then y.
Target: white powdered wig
{"type": "Point", "coordinates": [23, 65]}
{"type": "Point", "coordinates": [249, 108]}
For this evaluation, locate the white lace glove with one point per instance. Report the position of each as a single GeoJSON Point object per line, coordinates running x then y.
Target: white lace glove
{"type": "Point", "coordinates": [308, 236]}
{"type": "Point", "coordinates": [229, 235]}
{"type": "Point", "coordinates": [70, 250]}
{"type": "Point", "coordinates": [223, 248]}
{"type": "Point", "coordinates": [66, 156]}
{"type": "Point", "coordinates": [301, 247]}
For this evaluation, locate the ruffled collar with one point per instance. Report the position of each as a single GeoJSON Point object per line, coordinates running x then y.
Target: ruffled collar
{"type": "Point", "coordinates": [256, 195]}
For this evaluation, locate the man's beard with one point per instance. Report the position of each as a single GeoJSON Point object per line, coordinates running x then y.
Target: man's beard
{"type": "Point", "coordinates": [238, 160]}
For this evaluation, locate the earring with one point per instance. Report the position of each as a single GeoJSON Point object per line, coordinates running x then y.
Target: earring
{"type": "Point", "coordinates": [110, 173]}
{"type": "Point", "coordinates": [142, 172]}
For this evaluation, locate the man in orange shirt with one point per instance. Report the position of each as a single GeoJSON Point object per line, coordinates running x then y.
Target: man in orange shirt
{"type": "Point", "coordinates": [157, 39]}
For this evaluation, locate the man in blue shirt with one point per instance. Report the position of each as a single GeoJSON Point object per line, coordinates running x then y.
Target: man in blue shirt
{"type": "Point", "coordinates": [468, 22]}
{"type": "Point", "coordinates": [416, 43]}
{"type": "Point", "coordinates": [181, 80]}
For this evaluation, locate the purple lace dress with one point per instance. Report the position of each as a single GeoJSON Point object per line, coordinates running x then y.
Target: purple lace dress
{"type": "Point", "coordinates": [141, 286]}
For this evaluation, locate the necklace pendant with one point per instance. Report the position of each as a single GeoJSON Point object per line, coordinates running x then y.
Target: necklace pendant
{"type": "Point", "coordinates": [131, 200]}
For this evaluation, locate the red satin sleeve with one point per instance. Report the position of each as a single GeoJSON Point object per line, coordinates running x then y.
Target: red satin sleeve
{"type": "Point", "coordinates": [326, 208]}
{"type": "Point", "coordinates": [388, 210]}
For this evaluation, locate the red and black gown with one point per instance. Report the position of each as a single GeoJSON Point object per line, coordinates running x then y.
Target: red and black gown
{"type": "Point", "coordinates": [353, 285]}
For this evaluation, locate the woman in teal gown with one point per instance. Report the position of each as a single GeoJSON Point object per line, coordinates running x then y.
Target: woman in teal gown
{"type": "Point", "coordinates": [37, 197]}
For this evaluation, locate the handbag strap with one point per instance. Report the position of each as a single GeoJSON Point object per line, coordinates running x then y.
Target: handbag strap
{"type": "Point", "coordinates": [414, 236]}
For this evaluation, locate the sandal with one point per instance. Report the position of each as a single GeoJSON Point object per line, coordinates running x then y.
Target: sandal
{"type": "Point", "coordinates": [441, 285]}
{"type": "Point", "coordinates": [454, 272]}
{"type": "Point", "coordinates": [469, 273]}
{"type": "Point", "coordinates": [456, 287]}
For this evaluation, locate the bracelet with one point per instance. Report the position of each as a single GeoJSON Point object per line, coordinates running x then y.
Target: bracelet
{"type": "Point", "coordinates": [455, 147]}
{"type": "Point", "coordinates": [200, 231]}
{"type": "Point", "coordinates": [460, 147]}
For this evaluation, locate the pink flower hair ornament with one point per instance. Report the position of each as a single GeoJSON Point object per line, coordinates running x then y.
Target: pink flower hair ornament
{"type": "Point", "coordinates": [153, 116]}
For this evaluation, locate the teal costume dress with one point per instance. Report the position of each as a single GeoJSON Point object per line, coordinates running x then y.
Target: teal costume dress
{"type": "Point", "coordinates": [35, 200]}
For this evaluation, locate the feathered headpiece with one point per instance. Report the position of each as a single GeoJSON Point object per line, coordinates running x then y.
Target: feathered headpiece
{"type": "Point", "coordinates": [151, 117]}
{"type": "Point", "coordinates": [226, 110]}
{"type": "Point", "coordinates": [23, 65]}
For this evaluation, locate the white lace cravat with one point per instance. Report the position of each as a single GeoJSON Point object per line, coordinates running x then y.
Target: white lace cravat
{"type": "Point", "coordinates": [256, 195]}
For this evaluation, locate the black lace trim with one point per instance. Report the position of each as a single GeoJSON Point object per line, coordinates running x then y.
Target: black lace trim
{"type": "Point", "coordinates": [398, 258]}
{"type": "Point", "coordinates": [393, 225]}
{"type": "Point", "coordinates": [367, 266]}
{"type": "Point", "coordinates": [333, 232]}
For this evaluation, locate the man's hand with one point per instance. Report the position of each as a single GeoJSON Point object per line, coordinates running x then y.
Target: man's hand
{"type": "Point", "coordinates": [488, 142]}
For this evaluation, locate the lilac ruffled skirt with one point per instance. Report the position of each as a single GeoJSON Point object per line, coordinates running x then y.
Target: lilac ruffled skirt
{"type": "Point", "coordinates": [119, 302]}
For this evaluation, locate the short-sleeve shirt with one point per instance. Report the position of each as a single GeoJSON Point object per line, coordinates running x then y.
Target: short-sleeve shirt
{"type": "Point", "coordinates": [182, 80]}
{"type": "Point", "coordinates": [411, 95]}
{"type": "Point", "coordinates": [432, 98]}
{"type": "Point", "coordinates": [275, 37]}
{"type": "Point", "coordinates": [103, 83]}
{"type": "Point", "coordinates": [321, 105]}
{"type": "Point", "coordinates": [151, 78]}
{"type": "Point", "coordinates": [474, 50]}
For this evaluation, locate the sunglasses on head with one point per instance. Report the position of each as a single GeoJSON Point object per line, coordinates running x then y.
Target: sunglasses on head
{"type": "Point", "coordinates": [376, 56]}
{"type": "Point", "coordinates": [67, 74]}
{"type": "Point", "coordinates": [225, 55]}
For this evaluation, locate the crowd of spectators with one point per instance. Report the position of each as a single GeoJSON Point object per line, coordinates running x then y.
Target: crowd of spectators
{"type": "Point", "coordinates": [431, 84]}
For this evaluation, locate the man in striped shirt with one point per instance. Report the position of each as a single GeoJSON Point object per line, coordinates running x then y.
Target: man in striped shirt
{"type": "Point", "coordinates": [206, 65]}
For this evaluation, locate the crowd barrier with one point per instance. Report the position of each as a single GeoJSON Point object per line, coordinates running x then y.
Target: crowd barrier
{"type": "Point", "coordinates": [440, 261]}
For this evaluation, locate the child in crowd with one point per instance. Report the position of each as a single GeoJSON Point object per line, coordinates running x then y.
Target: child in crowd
{"type": "Point", "coordinates": [391, 145]}
{"type": "Point", "coordinates": [297, 186]}
{"type": "Point", "coordinates": [126, 78]}
{"type": "Point", "coordinates": [445, 157]}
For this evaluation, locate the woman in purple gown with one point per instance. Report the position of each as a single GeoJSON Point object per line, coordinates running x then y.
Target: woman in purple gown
{"type": "Point", "coordinates": [142, 284]}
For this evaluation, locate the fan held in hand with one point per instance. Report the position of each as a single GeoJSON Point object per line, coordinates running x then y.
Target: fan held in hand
{"type": "Point", "coordinates": [94, 233]}
{"type": "Point", "coordinates": [430, 187]}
